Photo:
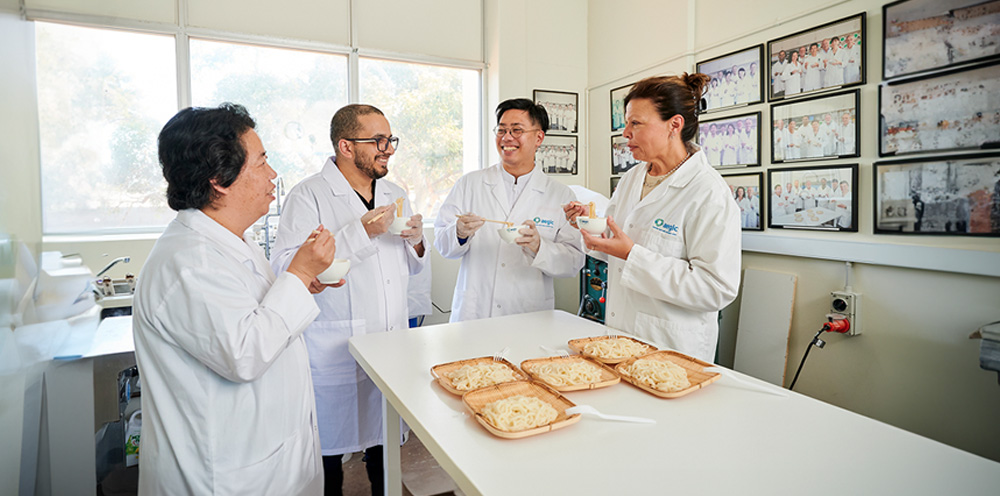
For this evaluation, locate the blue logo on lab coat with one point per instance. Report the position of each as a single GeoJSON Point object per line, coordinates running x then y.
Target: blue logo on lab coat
{"type": "Point", "coordinates": [663, 227]}
{"type": "Point", "coordinates": [544, 222]}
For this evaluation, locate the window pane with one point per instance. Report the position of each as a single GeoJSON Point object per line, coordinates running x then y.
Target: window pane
{"type": "Point", "coordinates": [435, 112]}
{"type": "Point", "coordinates": [103, 96]}
{"type": "Point", "coordinates": [292, 94]}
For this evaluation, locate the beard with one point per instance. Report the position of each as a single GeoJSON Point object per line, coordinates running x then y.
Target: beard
{"type": "Point", "coordinates": [368, 166]}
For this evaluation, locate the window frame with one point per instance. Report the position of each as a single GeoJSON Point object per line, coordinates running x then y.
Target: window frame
{"type": "Point", "coordinates": [182, 38]}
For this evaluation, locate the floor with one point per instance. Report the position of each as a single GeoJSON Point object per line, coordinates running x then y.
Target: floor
{"type": "Point", "coordinates": [422, 476]}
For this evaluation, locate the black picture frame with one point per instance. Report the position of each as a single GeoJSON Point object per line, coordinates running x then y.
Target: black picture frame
{"type": "Point", "coordinates": [717, 146]}
{"type": "Point", "coordinates": [832, 137]}
{"type": "Point", "coordinates": [558, 154]}
{"type": "Point", "coordinates": [743, 92]}
{"type": "Point", "coordinates": [956, 195]}
{"type": "Point", "coordinates": [937, 113]}
{"type": "Point", "coordinates": [562, 107]}
{"type": "Point", "coordinates": [920, 36]}
{"type": "Point", "coordinates": [849, 30]}
{"type": "Point", "coordinates": [614, 184]}
{"type": "Point", "coordinates": [814, 210]}
{"type": "Point", "coordinates": [751, 211]}
{"type": "Point", "coordinates": [621, 156]}
{"type": "Point", "coordinates": [618, 107]}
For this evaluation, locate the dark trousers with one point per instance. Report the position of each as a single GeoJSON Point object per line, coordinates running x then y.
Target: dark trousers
{"type": "Point", "coordinates": [333, 472]}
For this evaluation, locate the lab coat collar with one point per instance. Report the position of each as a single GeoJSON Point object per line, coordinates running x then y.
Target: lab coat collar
{"type": "Point", "coordinates": [240, 248]}
{"type": "Point", "coordinates": [688, 171]}
{"type": "Point", "coordinates": [537, 181]}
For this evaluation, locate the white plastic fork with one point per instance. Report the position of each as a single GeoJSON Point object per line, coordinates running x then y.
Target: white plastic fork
{"type": "Point", "coordinates": [590, 410]}
{"type": "Point", "coordinates": [748, 384]}
{"type": "Point", "coordinates": [499, 356]}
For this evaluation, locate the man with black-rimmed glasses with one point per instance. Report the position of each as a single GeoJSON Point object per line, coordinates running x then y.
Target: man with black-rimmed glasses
{"type": "Point", "coordinates": [356, 203]}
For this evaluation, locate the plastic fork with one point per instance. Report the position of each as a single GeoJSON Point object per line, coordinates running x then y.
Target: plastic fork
{"type": "Point", "coordinates": [554, 352]}
{"type": "Point", "coordinates": [751, 385]}
{"type": "Point", "coordinates": [499, 355]}
{"type": "Point", "coordinates": [590, 410]}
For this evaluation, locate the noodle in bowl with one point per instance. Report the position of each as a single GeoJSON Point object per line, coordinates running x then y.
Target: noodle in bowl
{"type": "Point", "coordinates": [567, 374]}
{"type": "Point", "coordinates": [614, 348]}
{"type": "Point", "coordinates": [661, 375]}
{"type": "Point", "coordinates": [471, 377]}
{"type": "Point", "coordinates": [518, 413]}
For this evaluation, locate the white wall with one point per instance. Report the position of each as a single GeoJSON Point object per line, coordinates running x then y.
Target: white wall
{"type": "Point", "coordinates": [914, 367]}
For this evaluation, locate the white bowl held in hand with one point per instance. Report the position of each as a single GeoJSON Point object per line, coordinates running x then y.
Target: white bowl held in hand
{"type": "Point", "coordinates": [594, 226]}
{"type": "Point", "coordinates": [511, 233]}
{"type": "Point", "coordinates": [398, 225]}
{"type": "Point", "coordinates": [335, 272]}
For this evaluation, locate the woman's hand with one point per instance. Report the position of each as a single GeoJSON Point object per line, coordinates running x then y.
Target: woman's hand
{"type": "Point", "coordinates": [314, 256]}
{"type": "Point", "coordinates": [618, 245]}
{"type": "Point", "coordinates": [573, 210]}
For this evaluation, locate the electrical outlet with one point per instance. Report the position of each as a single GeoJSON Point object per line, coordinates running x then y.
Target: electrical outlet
{"type": "Point", "coordinates": [848, 304]}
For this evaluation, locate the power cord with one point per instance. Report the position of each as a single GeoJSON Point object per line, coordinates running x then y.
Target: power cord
{"type": "Point", "coordinates": [834, 325]}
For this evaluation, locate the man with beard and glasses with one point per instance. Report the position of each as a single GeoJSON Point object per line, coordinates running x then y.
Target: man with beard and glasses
{"type": "Point", "coordinates": [354, 201]}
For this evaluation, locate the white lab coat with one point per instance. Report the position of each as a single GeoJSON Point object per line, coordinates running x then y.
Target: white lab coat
{"type": "Point", "coordinates": [685, 265]}
{"type": "Point", "coordinates": [373, 300]}
{"type": "Point", "coordinates": [227, 395]}
{"type": "Point", "coordinates": [498, 278]}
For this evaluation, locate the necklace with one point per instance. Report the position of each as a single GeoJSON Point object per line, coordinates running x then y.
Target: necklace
{"type": "Point", "coordinates": [651, 181]}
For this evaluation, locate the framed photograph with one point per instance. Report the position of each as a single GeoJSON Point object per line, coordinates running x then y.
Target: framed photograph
{"type": "Point", "coordinates": [955, 110]}
{"type": "Point", "coordinates": [746, 191]}
{"type": "Point", "coordinates": [924, 35]}
{"type": "Point", "coordinates": [952, 195]}
{"type": "Point", "coordinates": [737, 79]}
{"type": "Point", "coordinates": [621, 155]}
{"type": "Point", "coordinates": [820, 198]}
{"type": "Point", "coordinates": [733, 141]}
{"type": "Point", "coordinates": [825, 57]}
{"type": "Point", "coordinates": [818, 128]}
{"type": "Point", "coordinates": [614, 184]}
{"type": "Point", "coordinates": [561, 107]}
{"type": "Point", "coordinates": [618, 107]}
{"type": "Point", "coordinates": [557, 154]}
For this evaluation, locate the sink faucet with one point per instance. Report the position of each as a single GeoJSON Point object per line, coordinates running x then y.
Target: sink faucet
{"type": "Point", "coordinates": [126, 259]}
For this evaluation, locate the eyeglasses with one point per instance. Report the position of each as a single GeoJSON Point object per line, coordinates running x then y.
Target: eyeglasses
{"type": "Point", "coordinates": [382, 143]}
{"type": "Point", "coordinates": [514, 132]}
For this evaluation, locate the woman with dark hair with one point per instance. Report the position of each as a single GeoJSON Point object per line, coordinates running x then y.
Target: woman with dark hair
{"type": "Point", "coordinates": [228, 404]}
{"type": "Point", "coordinates": [673, 244]}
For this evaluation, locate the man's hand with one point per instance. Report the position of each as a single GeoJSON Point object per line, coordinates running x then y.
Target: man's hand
{"type": "Point", "coordinates": [313, 256]}
{"type": "Point", "coordinates": [573, 210]}
{"type": "Point", "coordinates": [468, 224]}
{"type": "Point", "coordinates": [414, 232]}
{"type": "Point", "coordinates": [618, 245]}
{"type": "Point", "coordinates": [529, 237]}
{"type": "Point", "coordinates": [377, 220]}
{"type": "Point", "coordinates": [317, 287]}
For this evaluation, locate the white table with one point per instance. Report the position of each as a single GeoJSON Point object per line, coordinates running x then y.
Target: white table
{"type": "Point", "coordinates": [719, 440]}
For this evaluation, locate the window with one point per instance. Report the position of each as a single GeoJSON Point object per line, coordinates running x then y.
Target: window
{"type": "Point", "coordinates": [291, 94]}
{"type": "Point", "coordinates": [103, 96]}
{"type": "Point", "coordinates": [435, 112]}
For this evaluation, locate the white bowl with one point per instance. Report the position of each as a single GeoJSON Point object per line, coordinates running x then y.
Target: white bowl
{"type": "Point", "coordinates": [594, 226]}
{"type": "Point", "coordinates": [335, 272]}
{"type": "Point", "coordinates": [398, 225]}
{"type": "Point", "coordinates": [509, 234]}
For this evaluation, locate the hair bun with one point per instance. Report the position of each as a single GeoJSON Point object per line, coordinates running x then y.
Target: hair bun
{"type": "Point", "coordinates": [696, 82]}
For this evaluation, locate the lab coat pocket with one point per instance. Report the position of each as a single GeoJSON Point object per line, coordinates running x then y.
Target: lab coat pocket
{"type": "Point", "coordinates": [663, 243]}
{"type": "Point", "coordinates": [688, 337]}
{"type": "Point", "coordinates": [258, 478]}
{"type": "Point", "coordinates": [329, 358]}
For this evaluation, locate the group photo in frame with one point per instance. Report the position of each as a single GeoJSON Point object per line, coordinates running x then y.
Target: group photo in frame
{"type": "Point", "coordinates": [737, 78]}
{"type": "Point", "coordinates": [733, 141]}
{"type": "Point", "coordinates": [621, 156]}
{"type": "Point", "coordinates": [747, 189]}
{"type": "Point", "coordinates": [924, 35]}
{"type": "Point", "coordinates": [949, 195]}
{"type": "Point", "coordinates": [821, 198]}
{"type": "Point", "coordinates": [618, 107]}
{"type": "Point", "coordinates": [825, 57]}
{"type": "Point", "coordinates": [561, 107]}
{"type": "Point", "coordinates": [820, 127]}
{"type": "Point", "coordinates": [557, 154]}
{"type": "Point", "coordinates": [950, 111]}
